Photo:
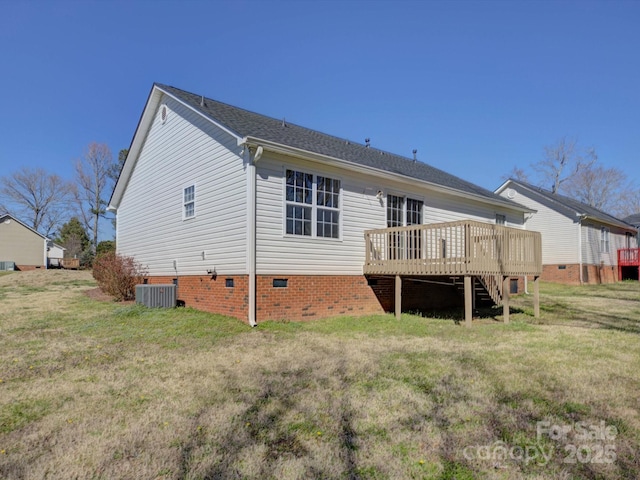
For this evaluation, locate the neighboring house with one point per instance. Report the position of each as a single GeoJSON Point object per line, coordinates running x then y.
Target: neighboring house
{"type": "Point", "coordinates": [56, 255]}
{"type": "Point", "coordinates": [579, 243]}
{"type": "Point", "coordinates": [635, 221]}
{"type": "Point", "coordinates": [23, 248]}
{"type": "Point", "coordinates": [258, 218]}
{"type": "Point", "coordinates": [629, 258]}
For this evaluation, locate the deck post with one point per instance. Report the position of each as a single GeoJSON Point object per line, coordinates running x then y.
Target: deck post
{"type": "Point", "coordinates": [536, 297]}
{"type": "Point", "coordinates": [505, 299]}
{"type": "Point", "coordinates": [398, 297]}
{"type": "Point", "coordinates": [468, 294]}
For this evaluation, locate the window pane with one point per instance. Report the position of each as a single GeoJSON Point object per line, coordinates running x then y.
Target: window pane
{"type": "Point", "coordinates": [327, 224]}
{"type": "Point", "coordinates": [328, 192]}
{"type": "Point", "coordinates": [395, 207]}
{"type": "Point", "coordinates": [298, 220]}
{"type": "Point", "coordinates": [189, 210]}
{"type": "Point", "coordinates": [299, 187]}
{"type": "Point", "coordinates": [189, 194]}
{"type": "Point", "coordinates": [414, 211]}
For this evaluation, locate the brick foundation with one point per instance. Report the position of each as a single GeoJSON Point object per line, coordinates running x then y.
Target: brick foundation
{"type": "Point", "coordinates": [308, 297]}
{"type": "Point", "coordinates": [570, 274]}
{"type": "Point", "coordinates": [211, 294]}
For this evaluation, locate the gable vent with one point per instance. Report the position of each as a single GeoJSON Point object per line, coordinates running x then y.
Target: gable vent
{"type": "Point", "coordinates": [163, 114]}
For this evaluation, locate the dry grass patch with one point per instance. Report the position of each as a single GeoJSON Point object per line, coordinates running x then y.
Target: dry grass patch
{"type": "Point", "coordinates": [97, 390]}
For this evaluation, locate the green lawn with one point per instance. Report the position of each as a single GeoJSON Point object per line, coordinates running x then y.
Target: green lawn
{"type": "Point", "coordinates": [100, 390]}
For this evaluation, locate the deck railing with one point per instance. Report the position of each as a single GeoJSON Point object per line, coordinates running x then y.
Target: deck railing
{"type": "Point", "coordinates": [455, 248]}
{"type": "Point", "coordinates": [629, 257]}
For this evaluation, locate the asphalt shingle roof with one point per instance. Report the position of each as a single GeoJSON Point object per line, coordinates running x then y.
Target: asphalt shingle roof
{"type": "Point", "coordinates": [575, 206]}
{"type": "Point", "coordinates": [633, 219]}
{"type": "Point", "coordinates": [245, 123]}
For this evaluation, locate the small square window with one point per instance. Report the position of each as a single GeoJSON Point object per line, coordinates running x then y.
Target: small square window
{"type": "Point", "coordinates": [228, 282]}
{"type": "Point", "coordinates": [280, 282]}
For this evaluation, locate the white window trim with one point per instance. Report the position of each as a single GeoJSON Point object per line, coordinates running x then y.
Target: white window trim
{"type": "Point", "coordinates": [605, 240]}
{"type": "Point", "coordinates": [405, 197]}
{"type": "Point", "coordinates": [314, 207]}
{"type": "Point", "coordinates": [184, 203]}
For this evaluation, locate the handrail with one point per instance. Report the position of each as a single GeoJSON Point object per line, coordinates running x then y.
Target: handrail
{"type": "Point", "coordinates": [629, 257]}
{"type": "Point", "coordinates": [466, 247]}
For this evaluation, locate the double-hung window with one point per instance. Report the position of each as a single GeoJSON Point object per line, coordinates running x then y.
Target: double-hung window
{"type": "Point", "coordinates": [189, 202]}
{"type": "Point", "coordinates": [604, 240]}
{"type": "Point", "coordinates": [312, 205]}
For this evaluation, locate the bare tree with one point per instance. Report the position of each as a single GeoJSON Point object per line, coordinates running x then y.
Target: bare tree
{"type": "Point", "coordinates": [631, 205]}
{"type": "Point", "coordinates": [561, 161]}
{"type": "Point", "coordinates": [517, 173]}
{"type": "Point", "coordinates": [92, 177]}
{"type": "Point", "coordinates": [37, 197]}
{"type": "Point", "coordinates": [606, 189]}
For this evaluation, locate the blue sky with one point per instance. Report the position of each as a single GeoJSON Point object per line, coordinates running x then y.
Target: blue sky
{"type": "Point", "coordinates": [477, 87]}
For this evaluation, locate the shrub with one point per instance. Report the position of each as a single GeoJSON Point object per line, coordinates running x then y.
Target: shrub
{"type": "Point", "coordinates": [118, 275]}
{"type": "Point", "coordinates": [105, 246]}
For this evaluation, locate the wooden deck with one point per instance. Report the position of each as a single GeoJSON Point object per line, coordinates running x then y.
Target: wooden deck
{"type": "Point", "coordinates": [70, 263]}
{"type": "Point", "coordinates": [628, 257]}
{"type": "Point", "coordinates": [474, 250]}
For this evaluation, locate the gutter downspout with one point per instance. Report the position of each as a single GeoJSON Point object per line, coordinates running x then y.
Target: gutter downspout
{"type": "Point", "coordinates": [580, 218]}
{"type": "Point", "coordinates": [46, 253]}
{"type": "Point", "coordinates": [251, 231]}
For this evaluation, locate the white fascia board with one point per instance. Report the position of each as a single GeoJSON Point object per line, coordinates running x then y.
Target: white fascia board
{"type": "Point", "coordinates": [606, 222]}
{"type": "Point", "coordinates": [502, 187]}
{"type": "Point", "coordinates": [337, 162]}
{"type": "Point", "coordinates": [146, 119]}
{"type": "Point", "coordinates": [203, 115]}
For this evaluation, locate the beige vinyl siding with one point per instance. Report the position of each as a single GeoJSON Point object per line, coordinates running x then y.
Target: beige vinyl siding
{"type": "Point", "coordinates": [560, 234]}
{"type": "Point", "coordinates": [20, 245]}
{"type": "Point", "coordinates": [278, 253]}
{"type": "Point", "coordinates": [591, 251]}
{"type": "Point", "coordinates": [185, 150]}
{"type": "Point", "coordinates": [282, 254]}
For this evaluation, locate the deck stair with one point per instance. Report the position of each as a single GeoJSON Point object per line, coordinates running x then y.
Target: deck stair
{"type": "Point", "coordinates": [487, 289]}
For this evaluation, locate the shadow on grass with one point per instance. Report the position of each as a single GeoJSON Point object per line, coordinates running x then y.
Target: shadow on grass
{"type": "Point", "coordinates": [567, 314]}
{"type": "Point", "coordinates": [456, 316]}
{"type": "Point", "coordinates": [266, 426]}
